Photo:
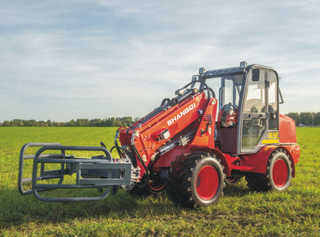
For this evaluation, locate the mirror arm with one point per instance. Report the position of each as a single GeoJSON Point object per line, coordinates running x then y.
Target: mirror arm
{"type": "Point", "coordinates": [282, 101]}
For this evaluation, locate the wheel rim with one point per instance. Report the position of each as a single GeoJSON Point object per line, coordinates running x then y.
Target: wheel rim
{"type": "Point", "coordinates": [207, 182]}
{"type": "Point", "coordinates": [280, 173]}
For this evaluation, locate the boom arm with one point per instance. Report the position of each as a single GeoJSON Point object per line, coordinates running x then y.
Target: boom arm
{"type": "Point", "coordinates": [147, 138]}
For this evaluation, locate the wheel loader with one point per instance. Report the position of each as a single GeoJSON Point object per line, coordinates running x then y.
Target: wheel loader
{"type": "Point", "coordinates": [223, 125]}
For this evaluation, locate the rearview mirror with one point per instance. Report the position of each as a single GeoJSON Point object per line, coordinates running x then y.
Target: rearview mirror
{"type": "Point", "coordinates": [255, 74]}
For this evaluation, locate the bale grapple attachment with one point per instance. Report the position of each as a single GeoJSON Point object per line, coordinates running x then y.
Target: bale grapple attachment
{"type": "Point", "coordinates": [98, 172]}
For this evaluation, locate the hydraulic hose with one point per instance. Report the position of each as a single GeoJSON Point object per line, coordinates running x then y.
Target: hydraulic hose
{"type": "Point", "coordinates": [210, 91]}
{"type": "Point", "coordinates": [164, 101]}
{"type": "Point", "coordinates": [174, 102]}
{"type": "Point", "coordinates": [142, 162]}
{"type": "Point", "coordinates": [145, 167]}
{"type": "Point", "coordinates": [120, 151]}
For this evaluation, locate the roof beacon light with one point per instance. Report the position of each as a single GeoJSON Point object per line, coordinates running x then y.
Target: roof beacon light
{"type": "Point", "coordinates": [202, 70]}
{"type": "Point", "coordinates": [243, 65]}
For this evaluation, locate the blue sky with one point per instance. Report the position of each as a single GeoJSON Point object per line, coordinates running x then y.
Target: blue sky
{"type": "Point", "coordinates": [63, 60]}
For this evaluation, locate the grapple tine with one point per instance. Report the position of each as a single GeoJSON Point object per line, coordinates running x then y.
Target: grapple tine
{"type": "Point", "coordinates": [98, 172]}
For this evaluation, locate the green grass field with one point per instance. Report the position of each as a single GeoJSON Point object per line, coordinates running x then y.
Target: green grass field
{"type": "Point", "coordinates": [240, 212]}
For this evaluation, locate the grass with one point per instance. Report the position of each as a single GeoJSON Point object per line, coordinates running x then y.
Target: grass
{"type": "Point", "coordinates": [295, 212]}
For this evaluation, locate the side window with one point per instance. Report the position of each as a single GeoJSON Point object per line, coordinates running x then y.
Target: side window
{"type": "Point", "coordinates": [231, 90]}
{"type": "Point", "coordinates": [228, 92]}
{"type": "Point", "coordinates": [255, 100]}
{"type": "Point", "coordinates": [215, 85]}
{"type": "Point", "coordinates": [272, 99]}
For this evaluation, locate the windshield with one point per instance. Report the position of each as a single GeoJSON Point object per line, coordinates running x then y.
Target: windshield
{"type": "Point", "coordinates": [227, 89]}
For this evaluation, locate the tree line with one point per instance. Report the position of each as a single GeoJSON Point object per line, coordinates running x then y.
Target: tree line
{"type": "Point", "coordinates": [107, 122]}
{"type": "Point", "coordinates": [305, 118]}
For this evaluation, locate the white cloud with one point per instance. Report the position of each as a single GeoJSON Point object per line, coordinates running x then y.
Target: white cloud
{"type": "Point", "coordinates": [117, 58]}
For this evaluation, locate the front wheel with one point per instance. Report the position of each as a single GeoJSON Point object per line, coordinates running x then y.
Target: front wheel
{"type": "Point", "coordinates": [196, 180]}
{"type": "Point", "coordinates": [279, 171]}
{"type": "Point", "coordinates": [277, 177]}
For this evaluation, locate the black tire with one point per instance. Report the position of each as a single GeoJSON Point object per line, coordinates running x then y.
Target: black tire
{"type": "Point", "coordinates": [257, 182]}
{"type": "Point", "coordinates": [277, 177]}
{"type": "Point", "coordinates": [195, 180]}
{"type": "Point", "coordinates": [231, 180]}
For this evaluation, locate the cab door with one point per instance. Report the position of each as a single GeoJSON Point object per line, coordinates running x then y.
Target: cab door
{"type": "Point", "coordinates": [254, 112]}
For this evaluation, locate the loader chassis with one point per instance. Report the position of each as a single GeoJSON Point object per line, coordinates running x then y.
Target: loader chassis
{"type": "Point", "coordinates": [227, 127]}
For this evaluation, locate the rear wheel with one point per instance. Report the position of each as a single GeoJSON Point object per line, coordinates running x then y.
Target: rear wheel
{"type": "Point", "coordinates": [195, 180]}
{"type": "Point", "coordinates": [277, 177]}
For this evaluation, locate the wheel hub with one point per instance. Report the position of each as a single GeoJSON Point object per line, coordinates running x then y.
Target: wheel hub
{"type": "Point", "coordinates": [207, 182]}
{"type": "Point", "coordinates": [280, 173]}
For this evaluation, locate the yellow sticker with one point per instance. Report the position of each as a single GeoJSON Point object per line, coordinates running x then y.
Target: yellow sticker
{"type": "Point", "coordinates": [269, 141]}
{"type": "Point", "coordinates": [273, 135]}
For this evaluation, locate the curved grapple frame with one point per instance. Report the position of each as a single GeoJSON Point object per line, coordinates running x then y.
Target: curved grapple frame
{"type": "Point", "coordinates": [98, 172]}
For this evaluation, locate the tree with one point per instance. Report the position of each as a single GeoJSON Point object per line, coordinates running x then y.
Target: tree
{"type": "Point", "coordinates": [71, 123]}
{"type": "Point", "coordinates": [49, 123]}
{"type": "Point", "coordinates": [6, 123]}
{"type": "Point", "coordinates": [316, 120]}
{"type": "Point", "coordinates": [136, 119]}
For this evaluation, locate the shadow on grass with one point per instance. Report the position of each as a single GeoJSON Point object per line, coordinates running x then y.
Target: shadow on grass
{"type": "Point", "coordinates": [236, 191]}
{"type": "Point", "coordinates": [17, 210]}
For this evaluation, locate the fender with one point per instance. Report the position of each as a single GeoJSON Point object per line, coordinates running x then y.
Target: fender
{"type": "Point", "coordinates": [260, 159]}
{"type": "Point", "coordinates": [217, 153]}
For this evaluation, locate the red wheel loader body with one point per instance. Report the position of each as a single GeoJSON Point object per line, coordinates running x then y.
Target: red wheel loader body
{"type": "Point", "coordinates": [227, 127]}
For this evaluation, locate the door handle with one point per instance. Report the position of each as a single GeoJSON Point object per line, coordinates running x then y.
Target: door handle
{"type": "Point", "coordinates": [249, 116]}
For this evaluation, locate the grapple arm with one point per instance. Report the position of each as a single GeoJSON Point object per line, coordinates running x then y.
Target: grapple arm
{"type": "Point", "coordinates": [98, 172]}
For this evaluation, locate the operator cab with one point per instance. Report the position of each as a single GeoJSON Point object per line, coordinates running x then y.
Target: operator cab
{"type": "Point", "coordinates": [248, 113]}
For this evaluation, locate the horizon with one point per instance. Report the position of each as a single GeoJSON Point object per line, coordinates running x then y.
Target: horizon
{"type": "Point", "coordinates": [306, 116]}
